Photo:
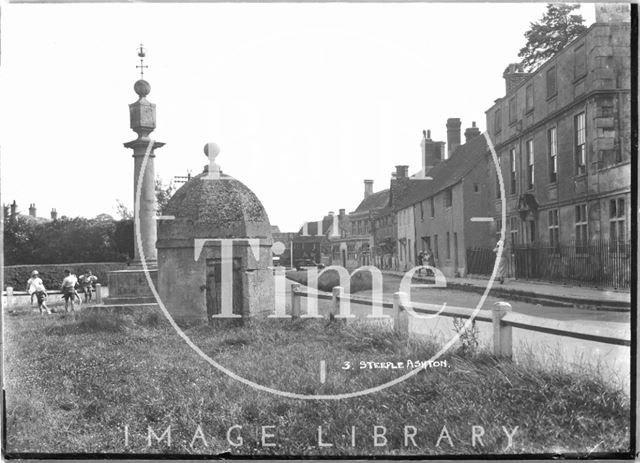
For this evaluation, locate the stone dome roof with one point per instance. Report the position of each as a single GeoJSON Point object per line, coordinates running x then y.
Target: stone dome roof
{"type": "Point", "coordinates": [214, 208]}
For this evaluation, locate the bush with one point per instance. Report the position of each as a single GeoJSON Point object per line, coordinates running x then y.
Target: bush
{"type": "Point", "coordinates": [52, 274]}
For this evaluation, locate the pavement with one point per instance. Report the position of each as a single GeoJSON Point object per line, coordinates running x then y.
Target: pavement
{"type": "Point", "coordinates": [540, 292]}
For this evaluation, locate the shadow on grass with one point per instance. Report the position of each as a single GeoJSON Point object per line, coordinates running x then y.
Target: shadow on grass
{"type": "Point", "coordinates": [110, 320]}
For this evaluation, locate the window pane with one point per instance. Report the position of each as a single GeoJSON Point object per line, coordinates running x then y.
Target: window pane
{"type": "Point", "coordinates": [529, 97]}
{"type": "Point", "coordinates": [612, 208]}
{"type": "Point", "coordinates": [620, 208]}
{"type": "Point", "coordinates": [580, 140]}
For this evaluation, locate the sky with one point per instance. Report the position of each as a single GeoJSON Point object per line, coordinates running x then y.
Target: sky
{"type": "Point", "coordinates": [305, 100]}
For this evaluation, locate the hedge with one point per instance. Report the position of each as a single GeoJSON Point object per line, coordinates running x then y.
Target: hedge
{"type": "Point", "coordinates": [52, 274]}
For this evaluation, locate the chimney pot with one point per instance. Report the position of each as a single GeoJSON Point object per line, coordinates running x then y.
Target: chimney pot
{"type": "Point", "coordinates": [402, 171]}
{"type": "Point", "coordinates": [471, 133]}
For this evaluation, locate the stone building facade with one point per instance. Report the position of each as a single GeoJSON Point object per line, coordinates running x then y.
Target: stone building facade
{"type": "Point", "coordinates": [563, 138]}
{"type": "Point", "coordinates": [354, 244]}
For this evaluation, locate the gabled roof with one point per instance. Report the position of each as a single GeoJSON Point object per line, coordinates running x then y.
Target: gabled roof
{"type": "Point", "coordinates": [449, 172]}
{"type": "Point", "coordinates": [312, 226]}
{"type": "Point", "coordinates": [376, 200]}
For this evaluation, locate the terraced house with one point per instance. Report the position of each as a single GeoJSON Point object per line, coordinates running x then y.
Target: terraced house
{"type": "Point", "coordinates": [437, 211]}
{"type": "Point", "coordinates": [563, 139]}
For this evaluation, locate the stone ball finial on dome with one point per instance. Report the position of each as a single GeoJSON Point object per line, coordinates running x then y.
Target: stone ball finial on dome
{"type": "Point", "coordinates": [212, 150]}
{"type": "Point", "coordinates": [142, 88]}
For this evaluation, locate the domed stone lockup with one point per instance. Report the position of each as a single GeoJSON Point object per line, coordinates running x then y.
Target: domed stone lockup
{"type": "Point", "coordinates": [214, 249]}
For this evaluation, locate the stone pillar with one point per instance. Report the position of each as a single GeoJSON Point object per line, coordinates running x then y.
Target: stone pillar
{"type": "Point", "coordinates": [146, 225]}
{"type": "Point", "coordinates": [143, 121]}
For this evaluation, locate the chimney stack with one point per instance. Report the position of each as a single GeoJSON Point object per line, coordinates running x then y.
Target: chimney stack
{"type": "Point", "coordinates": [513, 76]}
{"type": "Point", "coordinates": [32, 210]}
{"type": "Point", "coordinates": [14, 208]}
{"type": "Point", "coordinates": [54, 214]}
{"type": "Point", "coordinates": [471, 132]}
{"type": "Point", "coordinates": [613, 13]}
{"type": "Point", "coordinates": [431, 152]}
{"type": "Point", "coordinates": [402, 171]}
{"type": "Point", "coordinates": [453, 135]}
{"type": "Point", "coordinates": [368, 188]}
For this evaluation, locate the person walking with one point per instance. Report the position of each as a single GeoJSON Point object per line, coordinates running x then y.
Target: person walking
{"type": "Point", "coordinates": [429, 260]}
{"type": "Point", "coordinates": [31, 287]}
{"type": "Point", "coordinates": [502, 265]}
{"type": "Point", "coordinates": [41, 295]}
{"type": "Point", "coordinates": [69, 292]}
{"type": "Point", "coordinates": [87, 282]}
{"type": "Point", "coordinates": [36, 288]}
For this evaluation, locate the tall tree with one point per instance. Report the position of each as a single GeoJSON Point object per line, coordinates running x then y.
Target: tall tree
{"type": "Point", "coordinates": [548, 36]}
{"type": "Point", "coordinates": [163, 194]}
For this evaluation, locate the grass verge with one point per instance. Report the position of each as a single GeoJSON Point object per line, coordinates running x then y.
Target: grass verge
{"type": "Point", "coordinates": [74, 381]}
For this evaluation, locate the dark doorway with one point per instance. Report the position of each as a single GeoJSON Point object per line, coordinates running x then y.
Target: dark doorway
{"type": "Point", "coordinates": [214, 287]}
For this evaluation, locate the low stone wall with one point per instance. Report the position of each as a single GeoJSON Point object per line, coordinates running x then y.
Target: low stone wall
{"type": "Point", "coordinates": [16, 276]}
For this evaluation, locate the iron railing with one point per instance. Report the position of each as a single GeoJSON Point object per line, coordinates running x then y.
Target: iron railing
{"type": "Point", "coordinates": [601, 263]}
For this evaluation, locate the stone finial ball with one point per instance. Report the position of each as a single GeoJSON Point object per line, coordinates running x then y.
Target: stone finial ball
{"type": "Point", "coordinates": [278, 248]}
{"type": "Point", "coordinates": [211, 150]}
{"type": "Point", "coordinates": [142, 88]}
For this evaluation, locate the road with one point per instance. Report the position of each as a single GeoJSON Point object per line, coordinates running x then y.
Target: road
{"type": "Point", "coordinates": [609, 362]}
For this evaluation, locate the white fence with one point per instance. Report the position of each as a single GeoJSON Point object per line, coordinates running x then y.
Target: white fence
{"type": "Point", "coordinates": [502, 318]}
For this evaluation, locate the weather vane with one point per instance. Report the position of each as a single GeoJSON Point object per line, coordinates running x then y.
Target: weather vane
{"type": "Point", "coordinates": [142, 54]}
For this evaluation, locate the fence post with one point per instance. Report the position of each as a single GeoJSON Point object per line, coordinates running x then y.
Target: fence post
{"type": "Point", "coordinates": [400, 315]}
{"type": "Point", "coordinates": [501, 332]}
{"type": "Point", "coordinates": [9, 296]}
{"type": "Point", "coordinates": [98, 293]}
{"type": "Point", "coordinates": [336, 293]}
{"type": "Point", "coordinates": [295, 301]}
